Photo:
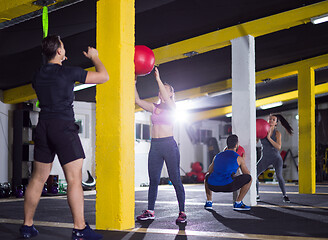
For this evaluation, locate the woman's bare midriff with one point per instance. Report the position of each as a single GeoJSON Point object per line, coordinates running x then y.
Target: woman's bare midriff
{"type": "Point", "coordinates": [161, 131]}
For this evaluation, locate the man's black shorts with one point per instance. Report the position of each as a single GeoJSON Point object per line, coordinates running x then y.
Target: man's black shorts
{"type": "Point", "coordinates": [57, 136]}
{"type": "Point", "coordinates": [236, 184]}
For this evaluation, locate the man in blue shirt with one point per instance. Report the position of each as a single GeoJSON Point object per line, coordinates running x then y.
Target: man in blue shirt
{"type": "Point", "coordinates": [221, 176]}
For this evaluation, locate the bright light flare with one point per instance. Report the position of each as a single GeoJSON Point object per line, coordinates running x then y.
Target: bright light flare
{"type": "Point", "coordinates": [181, 116]}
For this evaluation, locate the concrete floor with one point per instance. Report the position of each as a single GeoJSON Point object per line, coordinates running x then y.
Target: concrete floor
{"type": "Point", "coordinates": [306, 217]}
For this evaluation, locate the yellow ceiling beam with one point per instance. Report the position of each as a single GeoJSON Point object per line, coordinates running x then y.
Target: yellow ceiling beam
{"type": "Point", "coordinates": [19, 94]}
{"type": "Point", "coordinates": [284, 97]}
{"type": "Point", "coordinates": [199, 116]}
{"type": "Point", "coordinates": [221, 38]}
{"type": "Point", "coordinates": [15, 8]}
{"type": "Point", "coordinates": [321, 88]}
{"type": "Point", "coordinates": [10, 9]}
{"type": "Point", "coordinates": [23, 93]}
{"type": "Point", "coordinates": [292, 68]}
{"type": "Point", "coordinates": [272, 73]}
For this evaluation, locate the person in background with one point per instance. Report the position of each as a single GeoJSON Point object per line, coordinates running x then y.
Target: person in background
{"type": "Point", "coordinates": [270, 152]}
{"type": "Point", "coordinates": [221, 175]}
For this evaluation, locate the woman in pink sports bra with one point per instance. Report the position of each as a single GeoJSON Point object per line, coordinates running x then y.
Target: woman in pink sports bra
{"type": "Point", "coordinates": [163, 148]}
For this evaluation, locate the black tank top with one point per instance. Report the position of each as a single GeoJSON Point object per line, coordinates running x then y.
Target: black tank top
{"type": "Point", "coordinates": [265, 142]}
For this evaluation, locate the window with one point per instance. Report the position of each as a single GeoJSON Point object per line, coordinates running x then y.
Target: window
{"type": "Point", "coordinates": [138, 131]}
{"type": "Point", "coordinates": [145, 132]}
{"type": "Point", "coordinates": [142, 131]}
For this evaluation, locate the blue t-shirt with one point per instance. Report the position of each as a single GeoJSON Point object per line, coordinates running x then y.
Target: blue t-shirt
{"type": "Point", "coordinates": [54, 85]}
{"type": "Point", "coordinates": [225, 166]}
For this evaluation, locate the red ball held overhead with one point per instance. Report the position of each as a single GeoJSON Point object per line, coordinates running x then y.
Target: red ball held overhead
{"type": "Point", "coordinates": [262, 128]}
{"type": "Point", "coordinates": [144, 60]}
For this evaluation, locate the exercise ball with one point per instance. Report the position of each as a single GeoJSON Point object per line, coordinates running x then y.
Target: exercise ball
{"type": "Point", "coordinates": [196, 167]}
{"type": "Point", "coordinates": [262, 128]}
{"type": "Point", "coordinates": [200, 177]}
{"type": "Point", "coordinates": [241, 151]}
{"type": "Point", "coordinates": [144, 60]}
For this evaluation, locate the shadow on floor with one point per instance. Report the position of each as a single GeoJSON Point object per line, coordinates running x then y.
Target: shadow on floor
{"type": "Point", "coordinates": [261, 220]}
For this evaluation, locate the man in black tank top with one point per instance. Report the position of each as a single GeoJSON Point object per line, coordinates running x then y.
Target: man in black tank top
{"type": "Point", "coordinates": [57, 133]}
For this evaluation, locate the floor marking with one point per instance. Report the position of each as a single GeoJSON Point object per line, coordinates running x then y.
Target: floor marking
{"type": "Point", "coordinates": [218, 234]}
{"type": "Point", "coordinates": [171, 231]}
{"type": "Point", "coordinates": [40, 223]}
{"type": "Point", "coordinates": [230, 204]}
{"type": "Point", "coordinates": [202, 190]}
{"type": "Point", "coordinates": [22, 199]}
{"type": "Point", "coordinates": [86, 193]}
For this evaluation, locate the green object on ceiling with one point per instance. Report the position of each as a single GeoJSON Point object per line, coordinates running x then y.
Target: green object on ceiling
{"type": "Point", "coordinates": [45, 21]}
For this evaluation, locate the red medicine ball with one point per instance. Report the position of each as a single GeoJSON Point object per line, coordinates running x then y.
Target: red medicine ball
{"type": "Point", "coordinates": [262, 128]}
{"type": "Point", "coordinates": [241, 151]}
{"type": "Point", "coordinates": [144, 60]}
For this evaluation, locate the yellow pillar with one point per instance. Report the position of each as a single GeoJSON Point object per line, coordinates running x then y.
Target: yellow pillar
{"type": "Point", "coordinates": [115, 116]}
{"type": "Point", "coordinates": [306, 126]}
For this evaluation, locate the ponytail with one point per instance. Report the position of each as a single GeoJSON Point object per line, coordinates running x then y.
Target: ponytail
{"type": "Point", "coordinates": [284, 123]}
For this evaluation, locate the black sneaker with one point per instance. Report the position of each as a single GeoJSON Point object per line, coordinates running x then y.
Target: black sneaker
{"type": "Point", "coordinates": [285, 199]}
{"type": "Point", "coordinates": [28, 231]}
{"type": "Point", "coordinates": [86, 234]}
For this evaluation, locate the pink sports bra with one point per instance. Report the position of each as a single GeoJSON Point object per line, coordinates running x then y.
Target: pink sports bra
{"type": "Point", "coordinates": [165, 117]}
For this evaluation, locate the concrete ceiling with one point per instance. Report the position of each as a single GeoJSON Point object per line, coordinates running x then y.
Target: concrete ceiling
{"type": "Point", "coordinates": [164, 22]}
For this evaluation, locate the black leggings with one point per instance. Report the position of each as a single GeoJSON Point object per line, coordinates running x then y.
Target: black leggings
{"type": "Point", "coordinates": [237, 183]}
{"type": "Point", "coordinates": [164, 149]}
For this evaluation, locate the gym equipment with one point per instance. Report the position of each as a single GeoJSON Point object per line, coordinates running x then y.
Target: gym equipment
{"type": "Point", "coordinates": [7, 188]}
{"type": "Point", "coordinates": [241, 151]}
{"type": "Point", "coordinates": [62, 185]}
{"type": "Point", "coordinates": [54, 188]}
{"type": "Point", "coordinates": [2, 193]}
{"type": "Point", "coordinates": [267, 175]}
{"type": "Point", "coordinates": [197, 167]}
{"type": "Point", "coordinates": [45, 27]}
{"type": "Point", "coordinates": [200, 177]}
{"type": "Point", "coordinates": [90, 184]}
{"type": "Point", "coordinates": [262, 128]}
{"type": "Point", "coordinates": [192, 177]}
{"type": "Point", "coordinates": [164, 181]}
{"type": "Point", "coordinates": [44, 190]}
{"type": "Point", "coordinates": [52, 184]}
{"type": "Point", "coordinates": [144, 60]}
{"type": "Point", "coordinates": [19, 191]}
